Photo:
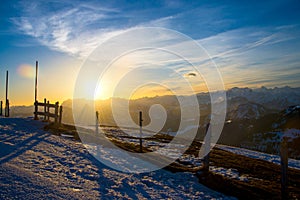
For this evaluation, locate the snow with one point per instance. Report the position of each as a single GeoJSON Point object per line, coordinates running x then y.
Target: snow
{"type": "Point", "coordinates": [292, 109]}
{"type": "Point", "coordinates": [259, 155]}
{"type": "Point", "coordinates": [186, 129]}
{"type": "Point", "coordinates": [174, 151]}
{"type": "Point", "coordinates": [35, 164]}
{"type": "Point", "coordinates": [161, 147]}
{"type": "Point", "coordinates": [291, 134]}
{"type": "Point", "coordinates": [230, 173]}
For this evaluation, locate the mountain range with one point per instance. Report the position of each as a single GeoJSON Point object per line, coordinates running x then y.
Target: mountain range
{"type": "Point", "coordinates": [252, 114]}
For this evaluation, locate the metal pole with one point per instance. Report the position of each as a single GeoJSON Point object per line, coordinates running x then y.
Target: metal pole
{"type": "Point", "coordinates": [141, 131]}
{"type": "Point", "coordinates": [36, 80]}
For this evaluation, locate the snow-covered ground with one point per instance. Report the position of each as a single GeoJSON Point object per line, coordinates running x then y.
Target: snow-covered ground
{"type": "Point", "coordinates": [259, 155]}
{"type": "Point", "coordinates": [35, 164]}
{"type": "Point", "coordinates": [230, 173]}
{"type": "Point", "coordinates": [196, 161]}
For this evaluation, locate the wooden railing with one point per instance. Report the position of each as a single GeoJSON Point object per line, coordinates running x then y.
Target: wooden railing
{"type": "Point", "coordinates": [46, 113]}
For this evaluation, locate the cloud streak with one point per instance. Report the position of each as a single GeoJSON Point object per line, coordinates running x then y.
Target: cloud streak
{"type": "Point", "coordinates": [251, 55]}
{"type": "Point", "coordinates": [67, 30]}
{"type": "Point", "coordinates": [256, 56]}
{"type": "Point", "coordinates": [77, 28]}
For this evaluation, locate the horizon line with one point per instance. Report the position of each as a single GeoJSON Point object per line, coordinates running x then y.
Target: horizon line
{"type": "Point", "coordinates": [106, 99]}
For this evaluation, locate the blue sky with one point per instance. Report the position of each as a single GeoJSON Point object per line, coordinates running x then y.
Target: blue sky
{"type": "Point", "coordinates": [252, 43]}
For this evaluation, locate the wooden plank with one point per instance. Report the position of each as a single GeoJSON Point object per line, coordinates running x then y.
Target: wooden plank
{"type": "Point", "coordinates": [51, 105]}
{"type": "Point", "coordinates": [48, 105]}
{"type": "Point", "coordinates": [39, 113]}
{"type": "Point", "coordinates": [52, 115]}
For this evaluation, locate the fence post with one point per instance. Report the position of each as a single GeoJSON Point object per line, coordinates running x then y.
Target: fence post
{"type": "Point", "coordinates": [48, 111]}
{"type": "Point", "coordinates": [7, 108]}
{"type": "Point", "coordinates": [56, 113]}
{"type": "Point", "coordinates": [141, 131]}
{"type": "Point", "coordinates": [1, 104]}
{"type": "Point", "coordinates": [207, 146]}
{"type": "Point", "coordinates": [36, 110]}
{"type": "Point", "coordinates": [60, 114]}
{"type": "Point", "coordinates": [45, 109]}
{"type": "Point", "coordinates": [97, 122]}
{"type": "Point", "coordinates": [284, 168]}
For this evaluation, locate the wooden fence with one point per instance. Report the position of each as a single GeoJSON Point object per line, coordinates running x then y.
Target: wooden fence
{"type": "Point", "coordinates": [46, 113]}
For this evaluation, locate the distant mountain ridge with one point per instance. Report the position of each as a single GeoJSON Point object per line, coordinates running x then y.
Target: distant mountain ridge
{"type": "Point", "coordinates": [242, 103]}
{"type": "Point", "coordinates": [256, 118]}
{"type": "Point", "coordinates": [274, 98]}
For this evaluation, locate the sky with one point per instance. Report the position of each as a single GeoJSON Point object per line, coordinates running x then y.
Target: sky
{"type": "Point", "coordinates": [253, 43]}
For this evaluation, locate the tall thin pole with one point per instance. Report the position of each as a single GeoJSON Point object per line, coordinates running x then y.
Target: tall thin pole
{"type": "Point", "coordinates": [36, 80]}
{"type": "Point", "coordinates": [6, 85]}
{"type": "Point", "coordinates": [6, 98]}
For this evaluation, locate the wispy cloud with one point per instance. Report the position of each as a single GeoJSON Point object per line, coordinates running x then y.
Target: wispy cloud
{"type": "Point", "coordinates": [75, 29]}
{"type": "Point", "coordinates": [255, 55]}
{"type": "Point", "coordinates": [249, 54]}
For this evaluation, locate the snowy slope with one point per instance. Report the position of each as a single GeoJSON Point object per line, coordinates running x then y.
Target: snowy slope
{"type": "Point", "coordinates": [259, 155]}
{"type": "Point", "coordinates": [35, 164]}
